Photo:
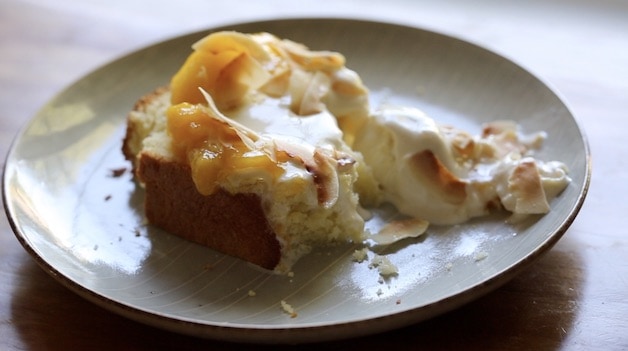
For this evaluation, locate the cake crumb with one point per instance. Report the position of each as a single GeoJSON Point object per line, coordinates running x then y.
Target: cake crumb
{"type": "Point", "coordinates": [449, 266]}
{"type": "Point", "coordinates": [108, 197]}
{"type": "Point", "coordinates": [291, 274]}
{"type": "Point", "coordinates": [118, 172]}
{"type": "Point", "coordinates": [480, 256]}
{"type": "Point", "coordinates": [360, 256]}
{"type": "Point", "coordinates": [398, 302]}
{"type": "Point", "coordinates": [383, 265]}
{"type": "Point", "coordinates": [288, 309]}
{"type": "Point", "coordinates": [252, 293]}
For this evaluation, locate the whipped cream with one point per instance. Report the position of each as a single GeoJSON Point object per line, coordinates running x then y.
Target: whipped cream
{"type": "Point", "coordinates": [447, 176]}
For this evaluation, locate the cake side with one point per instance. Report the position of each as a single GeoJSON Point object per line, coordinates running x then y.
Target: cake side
{"type": "Point", "coordinates": [234, 224]}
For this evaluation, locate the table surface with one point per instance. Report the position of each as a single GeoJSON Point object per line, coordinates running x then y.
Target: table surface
{"type": "Point", "coordinates": [574, 297]}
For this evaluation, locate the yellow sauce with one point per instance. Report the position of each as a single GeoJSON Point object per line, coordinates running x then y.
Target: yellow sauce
{"type": "Point", "coordinates": [246, 74]}
{"type": "Point", "coordinates": [226, 66]}
{"type": "Point", "coordinates": [213, 149]}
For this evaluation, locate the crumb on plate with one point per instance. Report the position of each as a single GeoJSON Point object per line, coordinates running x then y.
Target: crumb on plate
{"type": "Point", "coordinates": [117, 172]}
{"type": "Point", "coordinates": [480, 256]}
{"type": "Point", "coordinates": [288, 309]}
{"type": "Point", "coordinates": [383, 265]}
{"type": "Point", "coordinates": [360, 255]}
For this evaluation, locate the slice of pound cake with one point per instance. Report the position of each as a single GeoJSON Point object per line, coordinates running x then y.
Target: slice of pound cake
{"type": "Point", "coordinates": [243, 153]}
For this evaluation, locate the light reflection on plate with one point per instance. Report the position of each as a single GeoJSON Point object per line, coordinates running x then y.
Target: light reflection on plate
{"type": "Point", "coordinates": [84, 223]}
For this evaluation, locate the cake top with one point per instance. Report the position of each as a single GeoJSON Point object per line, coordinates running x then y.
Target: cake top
{"type": "Point", "coordinates": [283, 102]}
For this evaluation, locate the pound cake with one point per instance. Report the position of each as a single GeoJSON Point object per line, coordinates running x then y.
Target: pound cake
{"type": "Point", "coordinates": [261, 149]}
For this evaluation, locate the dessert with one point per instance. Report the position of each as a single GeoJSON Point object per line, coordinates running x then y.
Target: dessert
{"type": "Point", "coordinates": [262, 149]}
{"type": "Point", "coordinates": [249, 159]}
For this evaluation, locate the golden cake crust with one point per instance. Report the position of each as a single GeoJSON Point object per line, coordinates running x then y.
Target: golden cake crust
{"type": "Point", "coordinates": [130, 146]}
{"type": "Point", "coordinates": [234, 224]}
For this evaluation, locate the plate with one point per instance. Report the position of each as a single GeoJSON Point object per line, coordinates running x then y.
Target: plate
{"type": "Point", "coordinates": [73, 205]}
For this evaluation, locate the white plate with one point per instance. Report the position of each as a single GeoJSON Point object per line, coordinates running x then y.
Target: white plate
{"type": "Point", "coordinates": [85, 226]}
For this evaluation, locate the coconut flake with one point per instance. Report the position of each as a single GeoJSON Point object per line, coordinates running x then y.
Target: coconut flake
{"type": "Point", "coordinates": [398, 230]}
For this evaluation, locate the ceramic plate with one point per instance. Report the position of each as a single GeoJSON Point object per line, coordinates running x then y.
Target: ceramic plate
{"type": "Point", "coordinates": [79, 214]}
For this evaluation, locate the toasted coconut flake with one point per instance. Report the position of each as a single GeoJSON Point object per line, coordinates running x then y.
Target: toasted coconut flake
{"type": "Point", "coordinates": [399, 230]}
{"type": "Point", "coordinates": [527, 190]}
{"type": "Point", "coordinates": [313, 60]}
{"type": "Point", "coordinates": [325, 178]}
{"type": "Point", "coordinates": [427, 165]}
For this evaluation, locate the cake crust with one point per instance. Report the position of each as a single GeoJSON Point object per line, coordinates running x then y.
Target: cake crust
{"type": "Point", "coordinates": [234, 224]}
